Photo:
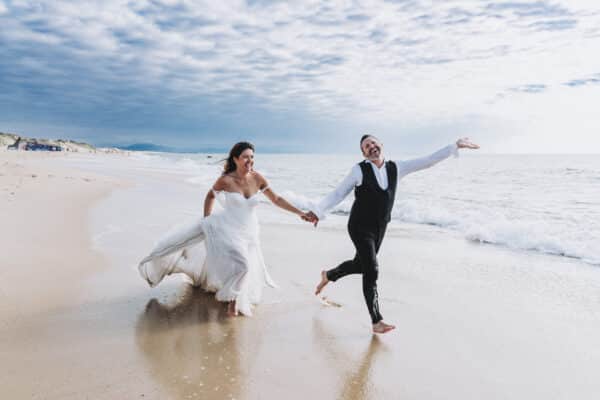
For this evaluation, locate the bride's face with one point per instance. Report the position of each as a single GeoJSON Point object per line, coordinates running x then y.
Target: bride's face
{"type": "Point", "coordinates": [245, 161]}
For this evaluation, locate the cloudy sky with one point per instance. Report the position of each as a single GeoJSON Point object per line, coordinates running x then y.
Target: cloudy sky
{"type": "Point", "coordinates": [517, 76]}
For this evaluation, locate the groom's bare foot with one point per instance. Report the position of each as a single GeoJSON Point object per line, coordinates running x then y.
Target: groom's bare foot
{"type": "Point", "coordinates": [382, 327]}
{"type": "Point", "coordinates": [231, 310]}
{"type": "Point", "coordinates": [323, 283]}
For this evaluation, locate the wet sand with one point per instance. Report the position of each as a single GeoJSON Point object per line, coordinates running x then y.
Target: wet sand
{"type": "Point", "coordinates": [474, 321]}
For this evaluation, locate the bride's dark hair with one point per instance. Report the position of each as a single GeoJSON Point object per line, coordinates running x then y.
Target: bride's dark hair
{"type": "Point", "coordinates": [235, 151]}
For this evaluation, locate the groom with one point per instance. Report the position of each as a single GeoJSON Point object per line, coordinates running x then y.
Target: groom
{"type": "Point", "coordinates": [374, 181]}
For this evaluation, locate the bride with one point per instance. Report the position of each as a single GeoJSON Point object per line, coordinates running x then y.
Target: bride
{"type": "Point", "coordinates": [221, 252]}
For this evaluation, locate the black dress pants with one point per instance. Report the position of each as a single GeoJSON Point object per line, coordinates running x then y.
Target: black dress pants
{"type": "Point", "coordinates": [367, 241]}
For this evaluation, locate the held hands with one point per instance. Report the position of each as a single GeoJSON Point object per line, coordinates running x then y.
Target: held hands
{"type": "Point", "coordinates": [310, 217]}
{"type": "Point", "coordinates": [465, 143]}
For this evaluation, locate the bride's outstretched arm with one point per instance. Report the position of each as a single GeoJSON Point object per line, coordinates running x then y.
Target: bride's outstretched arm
{"type": "Point", "coordinates": [276, 199]}
{"type": "Point", "coordinates": [281, 202]}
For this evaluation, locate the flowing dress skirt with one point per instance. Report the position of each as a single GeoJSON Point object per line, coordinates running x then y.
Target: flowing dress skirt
{"type": "Point", "coordinates": [221, 253]}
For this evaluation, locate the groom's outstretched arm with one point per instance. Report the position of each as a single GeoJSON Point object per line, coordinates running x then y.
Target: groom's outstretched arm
{"type": "Point", "coordinates": [406, 167]}
{"type": "Point", "coordinates": [409, 166]}
{"type": "Point", "coordinates": [354, 178]}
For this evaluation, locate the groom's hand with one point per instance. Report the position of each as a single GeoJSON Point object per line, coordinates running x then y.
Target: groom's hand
{"type": "Point", "coordinates": [465, 143]}
{"type": "Point", "coordinates": [311, 217]}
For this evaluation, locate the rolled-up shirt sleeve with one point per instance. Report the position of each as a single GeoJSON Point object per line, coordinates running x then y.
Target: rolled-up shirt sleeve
{"type": "Point", "coordinates": [409, 166]}
{"type": "Point", "coordinates": [353, 179]}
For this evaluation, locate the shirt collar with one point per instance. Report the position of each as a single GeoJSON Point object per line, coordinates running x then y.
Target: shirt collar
{"type": "Point", "coordinates": [373, 164]}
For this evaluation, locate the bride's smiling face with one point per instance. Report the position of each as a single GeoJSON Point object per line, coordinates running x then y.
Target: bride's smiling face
{"type": "Point", "coordinates": [245, 161]}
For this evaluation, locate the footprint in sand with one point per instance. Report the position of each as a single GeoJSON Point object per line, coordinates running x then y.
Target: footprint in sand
{"type": "Point", "coordinates": [329, 303]}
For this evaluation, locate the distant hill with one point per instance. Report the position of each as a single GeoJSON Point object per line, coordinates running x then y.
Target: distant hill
{"type": "Point", "coordinates": [167, 149]}
{"type": "Point", "coordinates": [147, 147]}
{"type": "Point", "coordinates": [7, 139]}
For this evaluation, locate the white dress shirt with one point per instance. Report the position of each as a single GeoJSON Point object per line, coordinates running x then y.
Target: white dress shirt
{"type": "Point", "coordinates": [354, 178]}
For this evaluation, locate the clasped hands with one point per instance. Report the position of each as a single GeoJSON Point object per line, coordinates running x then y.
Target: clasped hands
{"type": "Point", "coordinates": [310, 217]}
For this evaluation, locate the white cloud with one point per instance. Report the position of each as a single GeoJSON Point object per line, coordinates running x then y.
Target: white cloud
{"type": "Point", "coordinates": [374, 61]}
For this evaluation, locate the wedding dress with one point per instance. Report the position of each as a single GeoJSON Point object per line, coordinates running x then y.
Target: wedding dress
{"type": "Point", "coordinates": [221, 253]}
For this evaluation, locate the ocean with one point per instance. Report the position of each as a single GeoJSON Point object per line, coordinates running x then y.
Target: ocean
{"type": "Point", "coordinates": [540, 203]}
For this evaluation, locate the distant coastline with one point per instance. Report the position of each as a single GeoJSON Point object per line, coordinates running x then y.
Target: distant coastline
{"type": "Point", "coordinates": [13, 141]}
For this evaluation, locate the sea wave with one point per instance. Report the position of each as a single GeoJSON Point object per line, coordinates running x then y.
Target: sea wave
{"type": "Point", "coordinates": [526, 236]}
{"type": "Point", "coordinates": [495, 228]}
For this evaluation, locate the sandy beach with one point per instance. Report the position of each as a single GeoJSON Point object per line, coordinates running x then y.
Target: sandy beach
{"type": "Point", "coordinates": [474, 321]}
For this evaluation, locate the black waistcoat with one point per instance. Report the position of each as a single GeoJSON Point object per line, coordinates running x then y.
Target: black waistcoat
{"type": "Point", "coordinates": [372, 205]}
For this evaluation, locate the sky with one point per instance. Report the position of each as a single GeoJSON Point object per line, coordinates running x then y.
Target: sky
{"type": "Point", "coordinates": [514, 76]}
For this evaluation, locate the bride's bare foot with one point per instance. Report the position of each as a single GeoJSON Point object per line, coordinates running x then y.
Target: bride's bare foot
{"type": "Point", "coordinates": [323, 283]}
{"type": "Point", "coordinates": [382, 327]}
{"type": "Point", "coordinates": [231, 310]}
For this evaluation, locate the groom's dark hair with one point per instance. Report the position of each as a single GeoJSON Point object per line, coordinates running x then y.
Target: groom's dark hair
{"type": "Point", "coordinates": [362, 139]}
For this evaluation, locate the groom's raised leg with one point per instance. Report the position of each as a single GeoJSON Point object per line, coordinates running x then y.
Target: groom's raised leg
{"type": "Point", "coordinates": [345, 268]}
{"type": "Point", "coordinates": [323, 283]}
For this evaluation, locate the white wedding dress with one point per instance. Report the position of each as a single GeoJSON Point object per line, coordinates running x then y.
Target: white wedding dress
{"type": "Point", "coordinates": [221, 253]}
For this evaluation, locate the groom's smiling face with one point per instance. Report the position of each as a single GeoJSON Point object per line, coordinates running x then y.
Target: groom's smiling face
{"type": "Point", "coordinates": [371, 148]}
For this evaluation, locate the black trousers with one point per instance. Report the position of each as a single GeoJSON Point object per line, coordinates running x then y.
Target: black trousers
{"type": "Point", "coordinates": [367, 241]}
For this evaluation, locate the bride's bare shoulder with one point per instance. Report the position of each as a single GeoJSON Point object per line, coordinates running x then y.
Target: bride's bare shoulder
{"type": "Point", "coordinates": [259, 179]}
{"type": "Point", "coordinates": [223, 183]}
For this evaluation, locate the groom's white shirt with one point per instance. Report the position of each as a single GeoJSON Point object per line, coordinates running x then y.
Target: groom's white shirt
{"type": "Point", "coordinates": [354, 178]}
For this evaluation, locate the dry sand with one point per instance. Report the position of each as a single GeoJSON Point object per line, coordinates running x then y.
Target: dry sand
{"type": "Point", "coordinates": [474, 321]}
{"type": "Point", "coordinates": [44, 236]}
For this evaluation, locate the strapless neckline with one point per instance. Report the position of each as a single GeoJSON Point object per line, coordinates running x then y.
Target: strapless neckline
{"type": "Point", "coordinates": [242, 194]}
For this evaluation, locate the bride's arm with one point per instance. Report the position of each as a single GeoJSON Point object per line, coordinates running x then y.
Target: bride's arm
{"type": "Point", "coordinates": [209, 200]}
{"type": "Point", "coordinates": [276, 199]}
{"type": "Point", "coordinates": [281, 202]}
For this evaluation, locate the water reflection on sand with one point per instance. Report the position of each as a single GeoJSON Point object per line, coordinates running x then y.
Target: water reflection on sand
{"type": "Point", "coordinates": [191, 346]}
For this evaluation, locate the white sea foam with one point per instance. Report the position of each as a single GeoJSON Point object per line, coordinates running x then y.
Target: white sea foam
{"type": "Point", "coordinates": [522, 234]}
{"type": "Point", "coordinates": [526, 236]}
